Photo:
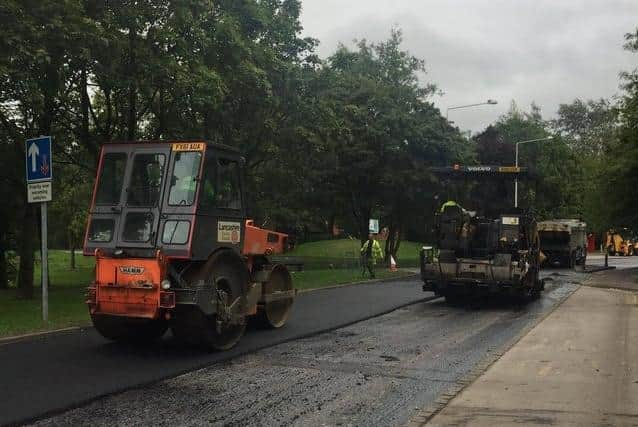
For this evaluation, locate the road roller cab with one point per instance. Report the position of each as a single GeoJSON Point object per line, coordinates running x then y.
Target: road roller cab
{"type": "Point", "coordinates": [173, 247]}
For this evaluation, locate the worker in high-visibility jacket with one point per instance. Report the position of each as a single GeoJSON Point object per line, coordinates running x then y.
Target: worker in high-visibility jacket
{"type": "Point", "coordinates": [449, 204]}
{"type": "Point", "coordinates": [370, 252]}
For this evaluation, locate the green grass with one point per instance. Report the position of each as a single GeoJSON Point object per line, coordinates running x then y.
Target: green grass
{"type": "Point", "coordinates": [66, 298]}
{"type": "Point", "coordinates": [66, 308]}
{"type": "Point", "coordinates": [314, 279]}
{"type": "Point", "coordinates": [61, 275]}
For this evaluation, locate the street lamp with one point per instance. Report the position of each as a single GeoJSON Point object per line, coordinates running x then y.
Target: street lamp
{"type": "Point", "coordinates": [488, 102]}
{"type": "Point", "coordinates": [516, 179]}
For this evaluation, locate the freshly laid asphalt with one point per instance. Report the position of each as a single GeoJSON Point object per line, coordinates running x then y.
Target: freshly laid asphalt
{"type": "Point", "coordinates": [49, 373]}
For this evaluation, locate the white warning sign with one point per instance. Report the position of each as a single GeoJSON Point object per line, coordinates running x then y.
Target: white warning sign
{"type": "Point", "coordinates": [39, 192]}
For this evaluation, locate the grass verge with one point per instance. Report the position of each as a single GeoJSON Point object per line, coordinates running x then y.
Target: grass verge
{"type": "Point", "coordinates": [66, 298]}
{"type": "Point", "coordinates": [19, 316]}
{"type": "Point", "coordinates": [408, 251]}
{"type": "Point", "coordinates": [315, 279]}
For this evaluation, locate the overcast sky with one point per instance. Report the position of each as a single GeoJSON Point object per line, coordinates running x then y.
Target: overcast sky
{"type": "Point", "coordinates": [547, 51]}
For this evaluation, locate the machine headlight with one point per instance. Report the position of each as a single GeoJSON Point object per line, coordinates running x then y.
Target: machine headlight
{"type": "Point", "coordinates": [165, 284]}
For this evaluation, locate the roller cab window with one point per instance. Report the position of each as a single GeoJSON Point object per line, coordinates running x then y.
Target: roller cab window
{"type": "Point", "coordinates": [221, 187]}
{"type": "Point", "coordinates": [145, 184]}
{"type": "Point", "coordinates": [111, 179]}
{"type": "Point", "coordinates": [185, 177]}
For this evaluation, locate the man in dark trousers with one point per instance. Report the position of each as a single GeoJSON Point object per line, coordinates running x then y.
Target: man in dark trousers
{"type": "Point", "coordinates": [370, 252]}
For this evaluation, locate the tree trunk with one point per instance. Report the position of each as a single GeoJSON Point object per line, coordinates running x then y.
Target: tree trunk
{"type": "Point", "coordinates": [393, 243]}
{"type": "Point", "coordinates": [132, 89]}
{"type": "Point", "coordinates": [397, 244]}
{"type": "Point", "coordinates": [4, 277]}
{"type": "Point", "coordinates": [4, 268]}
{"type": "Point", "coordinates": [27, 240]}
{"type": "Point", "coordinates": [85, 103]}
{"type": "Point", "coordinates": [389, 245]}
{"type": "Point", "coordinates": [331, 224]}
{"type": "Point", "coordinates": [206, 124]}
{"type": "Point", "coordinates": [72, 247]}
{"type": "Point", "coordinates": [160, 114]}
{"type": "Point", "coordinates": [109, 114]}
{"type": "Point", "coordinates": [361, 216]}
{"type": "Point", "coordinates": [364, 224]}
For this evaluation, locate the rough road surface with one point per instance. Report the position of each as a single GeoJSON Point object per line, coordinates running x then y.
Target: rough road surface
{"type": "Point", "coordinates": [377, 372]}
{"type": "Point", "coordinates": [58, 371]}
{"type": "Point", "coordinates": [578, 367]}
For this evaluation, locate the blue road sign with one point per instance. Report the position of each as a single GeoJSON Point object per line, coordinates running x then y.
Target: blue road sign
{"type": "Point", "coordinates": [38, 159]}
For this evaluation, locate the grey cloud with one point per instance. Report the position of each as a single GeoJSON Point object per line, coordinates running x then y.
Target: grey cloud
{"type": "Point", "coordinates": [547, 51]}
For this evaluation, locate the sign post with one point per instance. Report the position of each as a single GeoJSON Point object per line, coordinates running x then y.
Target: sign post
{"type": "Point", "coordinates": [39, 175]}
{"type": "Point", "coordinates": [45, 262]}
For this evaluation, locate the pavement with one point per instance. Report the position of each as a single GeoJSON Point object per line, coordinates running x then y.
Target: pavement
{"type": "Point", "coordinates": [52, 372]}
{"type": "Point", "coordinates": [577, 367]}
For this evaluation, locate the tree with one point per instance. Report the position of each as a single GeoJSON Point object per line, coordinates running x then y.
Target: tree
{"type": "Point", "coordinates": [69, 207]}
{"type": "Point", "coordinates": [590, 129]}
{"type": "Point", "coordinates": [379, 134]}
{"type": "Point", "coordinates": [622, 165]}
{"type": "Point", "coordinates": [39, 39]}
{"type": "Point", "coordinates": [555, 170]}
{"type": "Point", "coordinates": [374, 91]}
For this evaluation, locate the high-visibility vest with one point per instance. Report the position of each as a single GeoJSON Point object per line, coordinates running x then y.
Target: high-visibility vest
{"type": "Point", "coordinates": [377, 252]}
{"type": "Point", "coordinates": [448, 204]}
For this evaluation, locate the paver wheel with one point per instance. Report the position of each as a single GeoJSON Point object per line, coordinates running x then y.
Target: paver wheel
{"type": "Point", "coordinates": [274, 314]}
{"type": "Point", "coordinates": [221, 331]}
{"type": "Point", "coordinates": [121, 329]}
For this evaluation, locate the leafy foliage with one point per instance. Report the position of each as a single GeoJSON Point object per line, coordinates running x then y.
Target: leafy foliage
{"type": "Point", "coordinates": [621, 167]}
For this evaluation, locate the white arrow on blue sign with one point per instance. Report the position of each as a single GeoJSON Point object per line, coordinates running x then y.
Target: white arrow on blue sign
{"type": "Point", "coordinates": [38, 159]}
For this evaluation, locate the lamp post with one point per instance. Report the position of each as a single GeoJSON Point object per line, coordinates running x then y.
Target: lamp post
{"type": "Point", "coordinates": [516, 179]}
{"type": "Point", "coordinates": [488, 102]}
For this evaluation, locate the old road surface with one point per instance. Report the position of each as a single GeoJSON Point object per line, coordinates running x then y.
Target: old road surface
{"type": "Point", "coordinates": [404, 352]}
